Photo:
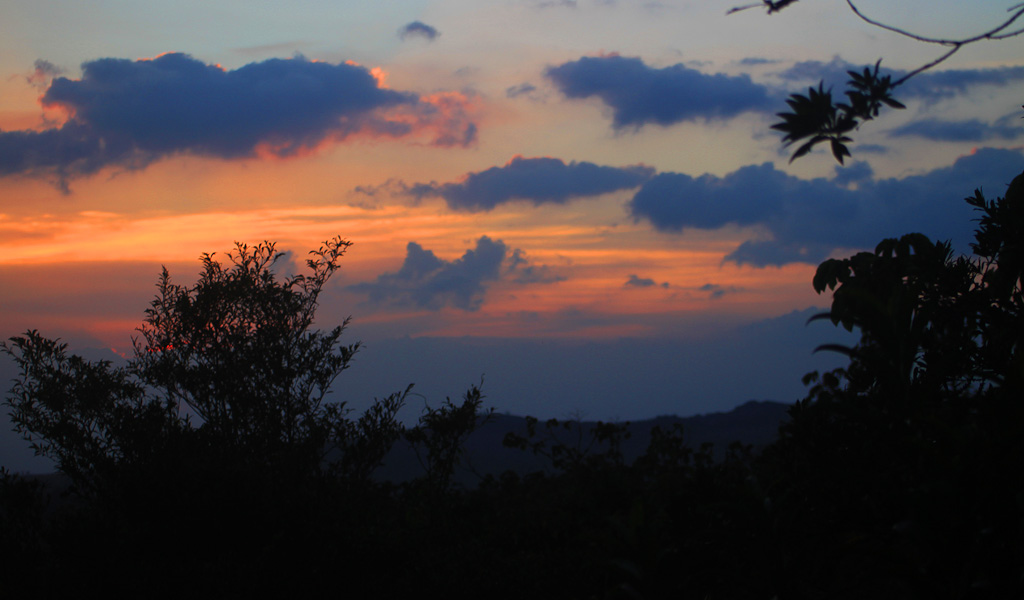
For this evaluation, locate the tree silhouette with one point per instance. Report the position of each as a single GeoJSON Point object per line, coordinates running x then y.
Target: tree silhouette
{"type": "Point", "coordinates": [231, 364]}
{"type": "Point", "coordinates": [237, 349]}
{"type": "Point", "coordinates": [897, 466]}
{"type": "Point", "coordinates": [929, 320]}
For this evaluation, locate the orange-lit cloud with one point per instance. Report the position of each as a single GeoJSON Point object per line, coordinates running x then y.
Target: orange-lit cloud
{"type": "Point", "coordinates": [127, 114]}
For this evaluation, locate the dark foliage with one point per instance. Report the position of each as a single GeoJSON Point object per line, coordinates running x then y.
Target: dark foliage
{"type": "Point", "coordinates": [893, 476]}
{"type": "Point", "coordinates": [817, 117]}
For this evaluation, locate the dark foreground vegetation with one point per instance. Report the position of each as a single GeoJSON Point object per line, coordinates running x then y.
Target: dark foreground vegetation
{"type": "Point", "coordinates": [213, 464]}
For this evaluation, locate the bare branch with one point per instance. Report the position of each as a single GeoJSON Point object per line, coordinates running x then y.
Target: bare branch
{"type": "Point", "coordinates": [927, 66]}
{"type": "Point", "coordinates": [991, 34]}
{"type": "Point", "coordinates": [772, 6]}
{"type": "Point", "coordinates": [740, 8]}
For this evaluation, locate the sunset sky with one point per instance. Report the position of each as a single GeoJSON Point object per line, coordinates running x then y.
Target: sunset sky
{"type": "Point", "coordinates": [580, 201]}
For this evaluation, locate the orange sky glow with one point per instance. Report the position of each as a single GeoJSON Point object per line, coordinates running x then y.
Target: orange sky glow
{"type": "Point", "coordinates": [589, 173]}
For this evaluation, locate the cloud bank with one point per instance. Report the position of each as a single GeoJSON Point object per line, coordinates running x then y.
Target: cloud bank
{"type": "Point", "coordinates": [971, 130]}
{"type": "Point", "coordinates": [929, 86]}
{"type": "Point", "coordinates": [807, 220]}
{"type": "Point", "coordinates": [428, 282]}
{"type": "Point", "coordinates": [639, 95]}
{"type": "Point", "coordinates": [128, 113]}
{"type": "Point", "coordinates": [537, 180]}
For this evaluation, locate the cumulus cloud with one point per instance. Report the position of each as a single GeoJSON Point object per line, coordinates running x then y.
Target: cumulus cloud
{"type": "Point", "coordinates": [929, 86]}
{"type": "Point", "coordinates": [128, 113]}
{"type": "Point", "coordinates": [536, 180]}
{"type": "Point", "coordinates": [806, 220]}
{"type": "Point", "coordinates": [639, 95]}
{"type": "Point", "coordinates": [418, 29]}
{"type": "Point", "coordinates": [971, 130]}
{"type": "Point", "coordinates": [426, 281]}
{"type": "Point", "coordinates": [749, 195]}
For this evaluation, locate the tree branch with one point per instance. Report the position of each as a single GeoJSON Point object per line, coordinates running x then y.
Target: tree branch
{"type": "Point", "coordinates": [992, 34]}
{"type": "Point", "coordinates": [817, 117]}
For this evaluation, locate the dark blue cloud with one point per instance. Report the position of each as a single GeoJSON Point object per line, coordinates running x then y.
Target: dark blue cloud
{"type": "Point", "coordinates": [637, 281]}
{"type": "Point", "coordinates": [753, 61]}
{"type": "Point", "coordinates": [971, 130]}
{"type": "Point", "coordinates": [937, 85]}
{"type": "Point", "coordinates": [537, 180]}
{"type": "Point", "coordinates": [855, 172]}
{"type": "Point", "coordinates": [74, 149]}
{"type": "Point", "coordinates": [862, 149]}
{"type": "Point", "coordinates": [750, 195]}
{"type": "Point", "coordinates": [929, 85]}
{"type": "Point", "coordinates": [519, 90]}
{"type": "Point", "coordinates": [520, 270]}
{"type": "Point", "coordinates": [716, 291]}
{"type": "Point", "coordinates": [175, 103]}
{"type": "Point", "coordinates": [426, 281]}
{"type": "Point", "coordinates": [418, 29]}
{"type": "Point", "coordinates": [806, 220]}
{"type": "Point", "coordinates": [643, 282]}
{"type": "Point", "coordinates": [639, 95]}
{"type": "Point", "coordinates": [128, 113]}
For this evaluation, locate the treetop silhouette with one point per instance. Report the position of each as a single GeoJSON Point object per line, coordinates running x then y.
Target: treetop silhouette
{"type": "Point", "coordinates": [231, 364]}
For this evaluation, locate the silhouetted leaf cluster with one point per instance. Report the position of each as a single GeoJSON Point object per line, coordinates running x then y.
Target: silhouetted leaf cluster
{"type": "Point", "coordinates": [817, 118]}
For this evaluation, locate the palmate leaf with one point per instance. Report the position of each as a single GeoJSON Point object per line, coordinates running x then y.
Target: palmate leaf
{"type": "Point", "coordinates": [805, 148]}
{"type": "Point", "coordinates": [817, 117]}
{"type": "Point", "coordinates": [839, 149]}
{"type": "Point", "coordinates": [893, 103]}
{"type": "Point", "coordinates": [841, 349]}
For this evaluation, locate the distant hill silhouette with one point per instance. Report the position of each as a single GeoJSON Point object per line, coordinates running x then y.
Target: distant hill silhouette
{"type": "Point", "coordinates": [755, 423]}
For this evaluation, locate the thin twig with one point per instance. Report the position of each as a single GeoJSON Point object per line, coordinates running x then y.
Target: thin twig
{"type": "Point", "coordinates": [739, 8]}
{"type": "Point", "coordinates": [925, 67]}
{"type": "Point", "coordinates": [956, 44]}
{"type": "Point", "coordinates": [991, 34]}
